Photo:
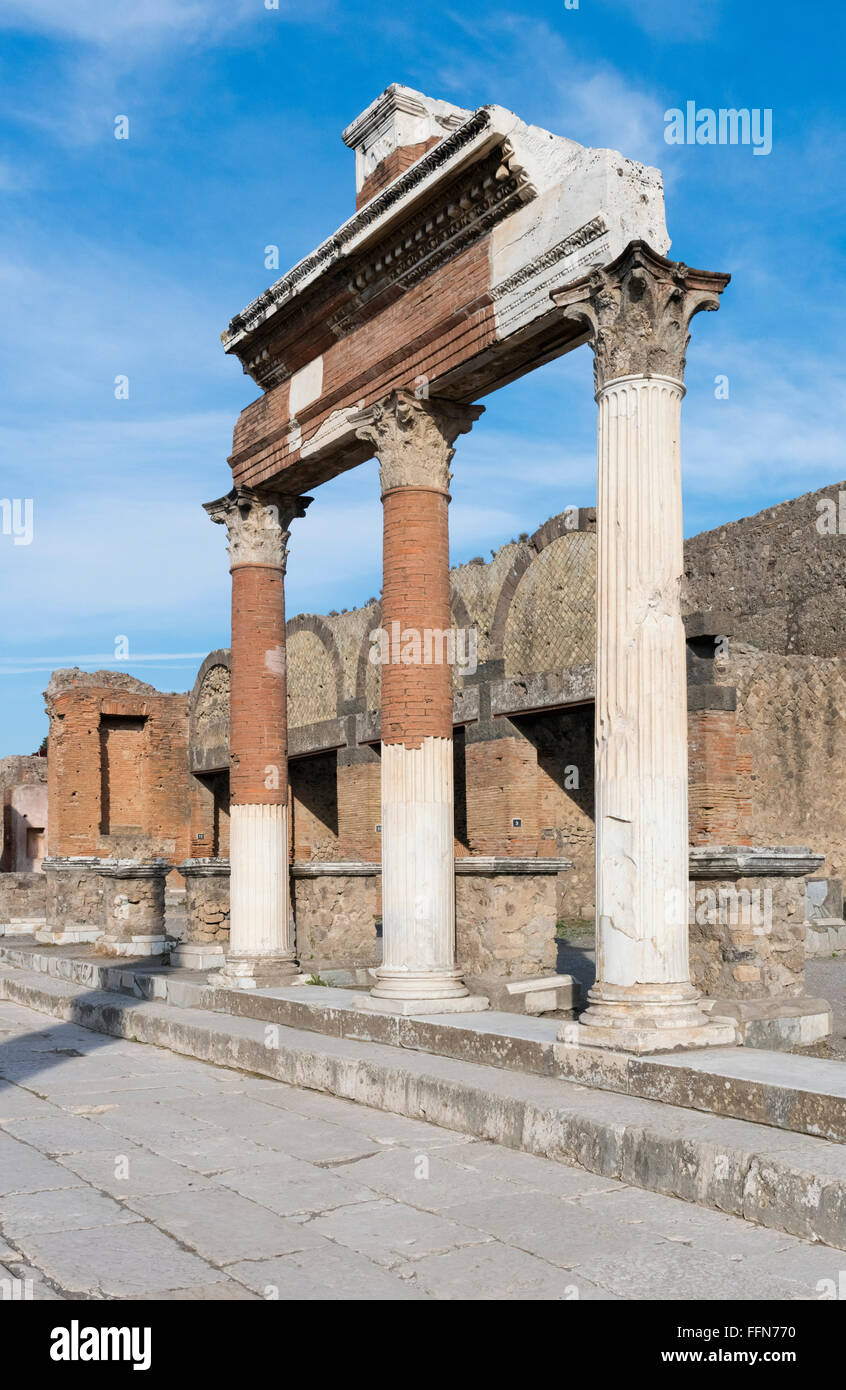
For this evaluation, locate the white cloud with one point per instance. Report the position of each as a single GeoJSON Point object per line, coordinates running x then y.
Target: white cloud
{"type": "Point", "coordinates": [670, 21]}
{"type": "Point", "coordinates": [552, 85]}
{"type": "Point", "coordinates": [107, 22]}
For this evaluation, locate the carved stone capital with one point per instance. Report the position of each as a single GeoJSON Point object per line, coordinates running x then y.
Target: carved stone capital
{"type": "Point", "coordinates": [637, 310]}
{"type": "Point", "coordinates": [257, 524]}
{"type": "Point", "coordinates": [413, 438]}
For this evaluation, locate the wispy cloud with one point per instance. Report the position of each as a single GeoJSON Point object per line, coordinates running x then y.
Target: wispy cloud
{"type": "Point", "coordinates": [105, 22]}
{"type": "Point", "coordinates": [589, 100]}
{"type": "Point", "coordinates": [669, 21]}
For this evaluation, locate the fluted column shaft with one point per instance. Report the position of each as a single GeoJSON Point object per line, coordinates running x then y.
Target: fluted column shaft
{"type": "Point", "coordinates": [637, 311]}
{"type": "Point", "coordinates": [641, 690]}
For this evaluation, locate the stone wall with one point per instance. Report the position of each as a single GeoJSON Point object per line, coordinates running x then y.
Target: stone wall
{"type": "Point", "coordinates": [780, 575]}
{"type": "Point", "coordinates": [133, 902]}
{"type": "Point", "coordinates": [791, 720]}
{"type": "Point", "coordinates": [23, 898]}
{"type": "Point", "coordinates": [505, 928]}
{"type": "Point", "coordinates": [74, 897]}
{"type": "Point", "coordinates": [338, 918]}
{"type": "Point", "coordinates": [747, 937]}
{"type": "Point", "coordinates": [206, 905]}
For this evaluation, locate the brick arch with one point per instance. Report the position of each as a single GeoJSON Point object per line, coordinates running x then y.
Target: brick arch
{"type": "Point", "coordinates": [208, 730]}
{"type": "Point", "coordinates": [320, 629]}
{"type": "Point", "coordinates": [551, 530]}
{"type": "Point", "coordinates": [551, 618]}
{"type": "Point", "coordinates": [459, 610]}
{"type": "Point", "coordinates": [364, 663]}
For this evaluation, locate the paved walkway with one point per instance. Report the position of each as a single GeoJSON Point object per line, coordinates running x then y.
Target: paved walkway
{"type": "Point", "coordinates": [128, 1171]}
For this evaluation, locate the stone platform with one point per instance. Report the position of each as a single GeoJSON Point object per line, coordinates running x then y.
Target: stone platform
{"type": "Point", "coordinates": [788, 1180]}
{"type": "Point", "coordinates": [800, 1094]}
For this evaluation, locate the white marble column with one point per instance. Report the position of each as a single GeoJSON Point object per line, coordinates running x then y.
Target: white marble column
{"type": "Point", "coordinates": [637, 310]}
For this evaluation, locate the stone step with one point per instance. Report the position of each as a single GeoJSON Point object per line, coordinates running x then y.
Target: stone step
{"type": "Point", "coordinates": [805, 1095]}
{"type": "Point", "coordinates": [787, 1181]}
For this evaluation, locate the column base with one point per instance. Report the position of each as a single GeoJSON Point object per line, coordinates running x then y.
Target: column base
{"type": "Point", "coordinates": [70, 936]}
{"type": "Point", "coordinates": [255, 972]}
{"type": "Point", "coordinates": [458, 1004]}
{"type": "Point", "coordinates": [144, 944]}
{"type": "Point", "coordinates": [647, 1018]}
{"type": "Point", "coordinates": [197, 955]}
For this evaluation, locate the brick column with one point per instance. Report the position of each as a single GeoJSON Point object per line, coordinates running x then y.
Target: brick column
{"type": "Point", "coordinates": [262, 948]}
{"type": "Point", "coordinates": [413, 441]}
{"type": "Point", "coordinates": [637, 311]}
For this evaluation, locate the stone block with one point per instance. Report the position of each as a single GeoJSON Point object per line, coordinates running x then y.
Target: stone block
{"type": "Point", "coordinates": [545, 994]}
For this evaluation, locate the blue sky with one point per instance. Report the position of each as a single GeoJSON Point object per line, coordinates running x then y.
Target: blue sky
{"type": "Point", "coordinates": [129, 257]}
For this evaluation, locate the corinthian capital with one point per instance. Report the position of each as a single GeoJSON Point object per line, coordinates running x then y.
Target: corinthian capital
{"type": "Point", "coordinates": [637, 310]}
{"type": "Point", "coordinates": [413, 438]}
{"type": "Point", "coordinates": [257, 524]}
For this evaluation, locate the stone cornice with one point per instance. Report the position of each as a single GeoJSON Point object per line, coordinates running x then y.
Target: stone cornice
{"type": "Point", "coordinates": [257, 524]}
{"type": "Point", "coordinates": [204, 868]}
{"type": "Point", "coordinates": [636, 311]}
{"type": "Point", "coordinates": [753, 861]}
{"type": "Point", "coordinates": [374, 218]}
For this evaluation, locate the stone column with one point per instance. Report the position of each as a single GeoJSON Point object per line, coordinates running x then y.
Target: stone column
{"type": "Point", "coordinates": [207, 912]}
{"type": "Point", "coordinates": [262, 948]}
{"type": "Point", "coordinates": [636, 311]}
{"type": "Point", "coordinates": [133, 905]}
{"type": "Point", "coordinates": [413, 440]}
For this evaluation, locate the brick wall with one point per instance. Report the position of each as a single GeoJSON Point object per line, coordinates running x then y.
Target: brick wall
{"type": "Point", "coordinates": [433, 325]}
{"type": "Point", "coordinates": [713, 778]}
{"type": "Point", "coordinates": [791, 718]}
{"type": "Point", "coordinates": [118, 780]}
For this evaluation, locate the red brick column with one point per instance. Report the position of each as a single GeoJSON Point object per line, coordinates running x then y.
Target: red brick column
{"type": "Point", "coordinates": [413, 441]}
{"type": "Point", "coordinates": [262, 945]}
{"type": "Point", "coordinates": [258, 727]}
{"type": "Point", "coordinates": [416, 698]}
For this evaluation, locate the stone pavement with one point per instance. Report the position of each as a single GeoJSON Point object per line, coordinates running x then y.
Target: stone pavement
{"type": "Point", "coordinates": [129, 1171]}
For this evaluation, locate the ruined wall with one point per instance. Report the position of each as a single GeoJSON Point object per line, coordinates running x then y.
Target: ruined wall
{"type": "Point", "coordinates": [118, 780]}
{"type": "Point", "coordinates": [23, 797]}
{"type": "Point", "coordinates": [791, 718]}
{"type": "Point", "coordinates": [780, 575]}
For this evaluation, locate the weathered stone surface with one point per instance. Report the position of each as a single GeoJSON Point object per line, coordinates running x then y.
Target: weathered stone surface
{"type": "Point", "coordinates": [23, 899]}
{"type": "Point", "coordinates": [747, 937]}
{"type": "Point", "coordinates": [336, 916]}
{"type": "Point", "coordinates": [73, 893]}
{"type": "Point", "coordinates": [207, 900]}
{"type": "Point", "coordinates": [505, 926]}
{"type": "Point", "coordinates": [786, 1182]}
{"type": "Point", "coordinates": [133, 899]}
